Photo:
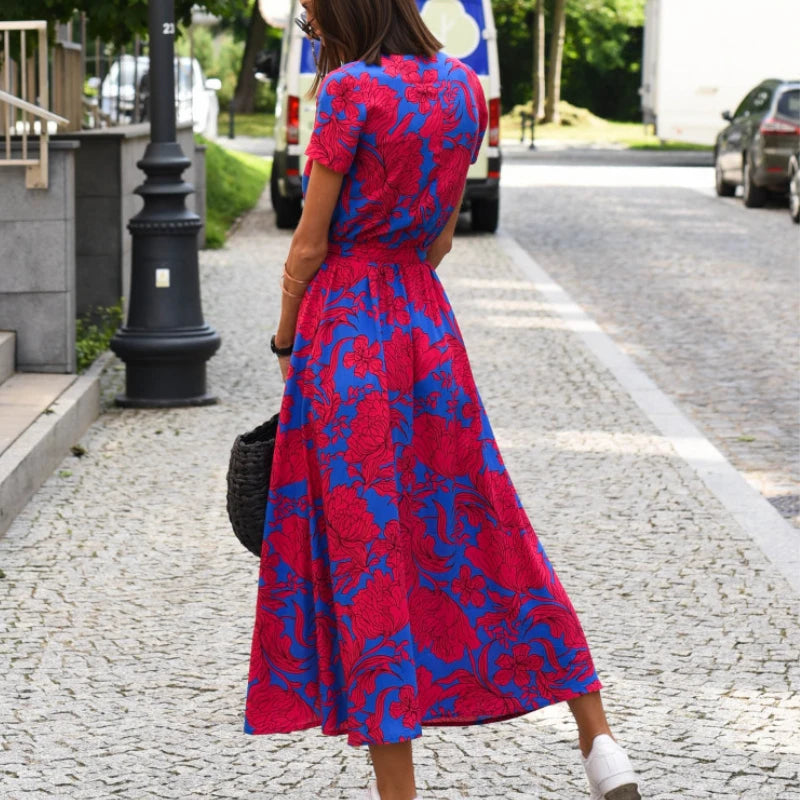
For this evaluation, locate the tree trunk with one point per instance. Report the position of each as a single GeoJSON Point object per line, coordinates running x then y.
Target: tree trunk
{"type": "Point", "coordinates": [556, 56]}
{"type": "Point", "coordinates": [538, 61]}
{"type": "Point", "coordinates": [245, 95]}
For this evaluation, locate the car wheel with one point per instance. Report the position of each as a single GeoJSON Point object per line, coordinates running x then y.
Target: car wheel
{"type": "Point", "coordinates": [287, 209]}
{"type": "Point", "coordinates": [485, 214]}
{"type": "Point", "coordinates": [794, 196]}
{"type": "Point", "coordinates": [723, 187]}
{"type": "Point", "coordinates": [754, 196]}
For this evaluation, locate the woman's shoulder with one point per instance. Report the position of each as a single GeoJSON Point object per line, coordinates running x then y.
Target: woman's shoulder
{"type": "Point", "coordinates": [457, 68]}
{"type": "Point", "coordinates": [388, 71]}
{"type": "Point", "coordinates": [458, 71]}
{"type": "Point", "coordinates": [352, 69]}
{"type": "Point", "coordinates": [407, 68]}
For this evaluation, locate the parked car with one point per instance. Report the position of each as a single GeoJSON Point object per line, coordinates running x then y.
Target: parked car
{"type": "Point", "coordinates": [794, 186]}
{"type": "Point", "coordinates": [119, 88]}
{"type": "Point", "coordinates": [125, 93]}
{"type": "Point", "coordinates": [754, 149]}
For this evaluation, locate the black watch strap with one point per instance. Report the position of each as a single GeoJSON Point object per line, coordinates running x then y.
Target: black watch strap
{"type": "Point", "coordinates": [279, 351]}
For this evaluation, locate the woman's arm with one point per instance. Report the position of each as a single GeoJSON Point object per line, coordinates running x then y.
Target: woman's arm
{"type": "Point", "coordinates": [443, 243]}
{"type": "Point", "coordinates": [308, 249]}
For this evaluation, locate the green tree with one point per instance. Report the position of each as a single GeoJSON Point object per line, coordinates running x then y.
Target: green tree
{"type": "Point", "coordinates": [200, 42]}
{"type": "Point", "coordinates": [513, 19]}
{"type": "Point", "coordinates": [116, 21]}
{"type": "Point", "coordinates": [557, 36]}
{"type": "Point", "coordinates": [602, 60]}
{"type": "Point", "coordinates": [245, 95]}
{"type": "Point", "coordinates": [538, 60]}
{"type": "Point", "coordinates": [598, 63]}
{"type": "Point", "coordinates": [250, 35]}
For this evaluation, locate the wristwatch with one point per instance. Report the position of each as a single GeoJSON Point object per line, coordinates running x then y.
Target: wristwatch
{"type": "Point", "coordinates": [279, 351]}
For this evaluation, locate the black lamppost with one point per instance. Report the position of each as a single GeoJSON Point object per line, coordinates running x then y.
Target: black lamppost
{"type": "Point", "coordinates": [165, 343]}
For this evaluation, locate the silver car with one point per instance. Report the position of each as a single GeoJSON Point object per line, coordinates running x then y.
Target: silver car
{"type": "Point", "coordinates": [124, 93]}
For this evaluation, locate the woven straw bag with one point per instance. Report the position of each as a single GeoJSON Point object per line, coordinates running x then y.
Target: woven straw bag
{"type": "Point", "coordinates": [248, 483]}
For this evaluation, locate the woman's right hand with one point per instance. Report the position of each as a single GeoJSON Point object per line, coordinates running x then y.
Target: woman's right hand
{"type": "Point", "coordinates": [283, 363]}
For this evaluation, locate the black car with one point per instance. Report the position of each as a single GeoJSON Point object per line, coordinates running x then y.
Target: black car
{"type": "Point", "coordinates": [754, 150]}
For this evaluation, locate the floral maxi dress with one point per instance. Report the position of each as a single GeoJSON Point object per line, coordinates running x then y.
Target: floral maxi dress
{"type": "Point", "coordinates": [401, 583]}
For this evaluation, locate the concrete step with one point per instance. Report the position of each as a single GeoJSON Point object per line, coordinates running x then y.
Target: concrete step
{"type": "Point", "coordinates": [41, 417]}
{"type": "Point", "coordinates": [8, 343]}
{"type": "Point", "coordinates": [24, 397]}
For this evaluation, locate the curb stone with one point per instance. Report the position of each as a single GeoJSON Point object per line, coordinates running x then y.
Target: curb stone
{"type": "Point", "coordinates": [36, 453]}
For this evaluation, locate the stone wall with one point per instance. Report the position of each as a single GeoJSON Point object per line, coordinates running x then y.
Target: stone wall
{"type": "Point", "coordinates": [106, 177]}
{"type": "Point", "coordinates": [37, 263]}
{"type": "Point", "coordinates": [66, 250]}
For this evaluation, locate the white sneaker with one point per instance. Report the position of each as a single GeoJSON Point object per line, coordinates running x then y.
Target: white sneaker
{"type": "Point", "coordinates": [609, 771]}
{"type": "Point", "coordinates": [372, 793]}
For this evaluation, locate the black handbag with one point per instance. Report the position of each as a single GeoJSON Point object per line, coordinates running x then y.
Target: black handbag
{"type": "Point", "coordinates": [248, 483]}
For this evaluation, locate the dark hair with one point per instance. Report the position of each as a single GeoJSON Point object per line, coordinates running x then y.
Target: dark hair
{"type": "Point", "coordinates": [365, 30]}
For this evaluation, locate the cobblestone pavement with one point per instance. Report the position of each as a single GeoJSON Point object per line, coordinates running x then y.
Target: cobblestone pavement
{"type": "Point", "coordinates": [127, 604]}
{"type": "Point", "coordinates": [701, 292]}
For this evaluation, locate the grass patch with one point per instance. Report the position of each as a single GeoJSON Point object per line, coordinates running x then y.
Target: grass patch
{"type": "Point", "coordinates": [670, 145]}
{"type": "Point", "coordinates": [93, 333]}
{"type": "Point", "coordinates": [234, 182]}
{"type": "Point", "coordinates": [246, 124]}
{"type": "Point", "coordinates": [580, 125]}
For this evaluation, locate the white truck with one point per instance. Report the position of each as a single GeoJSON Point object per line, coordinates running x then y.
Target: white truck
{"type": "Point", "coordinates": [701, 57]}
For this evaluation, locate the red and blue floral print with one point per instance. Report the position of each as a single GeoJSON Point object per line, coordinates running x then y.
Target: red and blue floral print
{"type": "Point", "coordinates": [401, 583]}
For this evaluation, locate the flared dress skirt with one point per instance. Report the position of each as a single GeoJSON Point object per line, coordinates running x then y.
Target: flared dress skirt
{"type": "Point", "coordinates": [401, 583]}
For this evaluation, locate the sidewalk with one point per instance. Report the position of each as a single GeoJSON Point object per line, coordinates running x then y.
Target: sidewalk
{"type": "Point", "coordinates": [127, 603]}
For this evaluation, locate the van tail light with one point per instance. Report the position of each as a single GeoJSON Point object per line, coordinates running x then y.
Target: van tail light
{"type": "Point", "coordinates": [293, 121]}
{"type": "Point", "coordinates": [494, 122]}
{"type": "Point", "coordinates": [779, 126]}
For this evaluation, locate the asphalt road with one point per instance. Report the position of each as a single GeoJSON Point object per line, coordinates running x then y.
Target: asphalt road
{"type": "Point", "coordinates": [701, 292]}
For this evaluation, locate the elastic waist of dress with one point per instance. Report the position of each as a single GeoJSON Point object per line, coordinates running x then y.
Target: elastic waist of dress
{"type": "Point", "coordinates": [376, 252]}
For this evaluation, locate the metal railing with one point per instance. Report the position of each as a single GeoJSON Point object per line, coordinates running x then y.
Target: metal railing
{"type": "Point", "coordinates": [21, 116]}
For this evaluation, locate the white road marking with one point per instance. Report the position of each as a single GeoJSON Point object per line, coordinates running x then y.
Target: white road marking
{"type": "Point", "coordinates": [773, 535]}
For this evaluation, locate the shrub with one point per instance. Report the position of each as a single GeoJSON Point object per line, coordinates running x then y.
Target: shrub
{"type": "Point", "coordinates": [93, 333]}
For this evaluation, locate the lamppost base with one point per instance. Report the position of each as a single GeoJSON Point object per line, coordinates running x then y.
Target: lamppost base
{"type": "Point", "coordinates": [166, 385]}
{"type": "Point", "coordinates": [123, 401]}
{"type": "Point", "coordinates": [165, 369]}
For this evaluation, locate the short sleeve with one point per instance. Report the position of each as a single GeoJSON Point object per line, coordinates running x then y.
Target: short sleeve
{"type": "Point", "coordinates": [483, 113]}
{"type": "Point", "coordinates": [341, 114]}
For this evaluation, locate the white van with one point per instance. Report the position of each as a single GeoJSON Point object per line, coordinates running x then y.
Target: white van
{"type": "Point", "coordinates": [466, 28]}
